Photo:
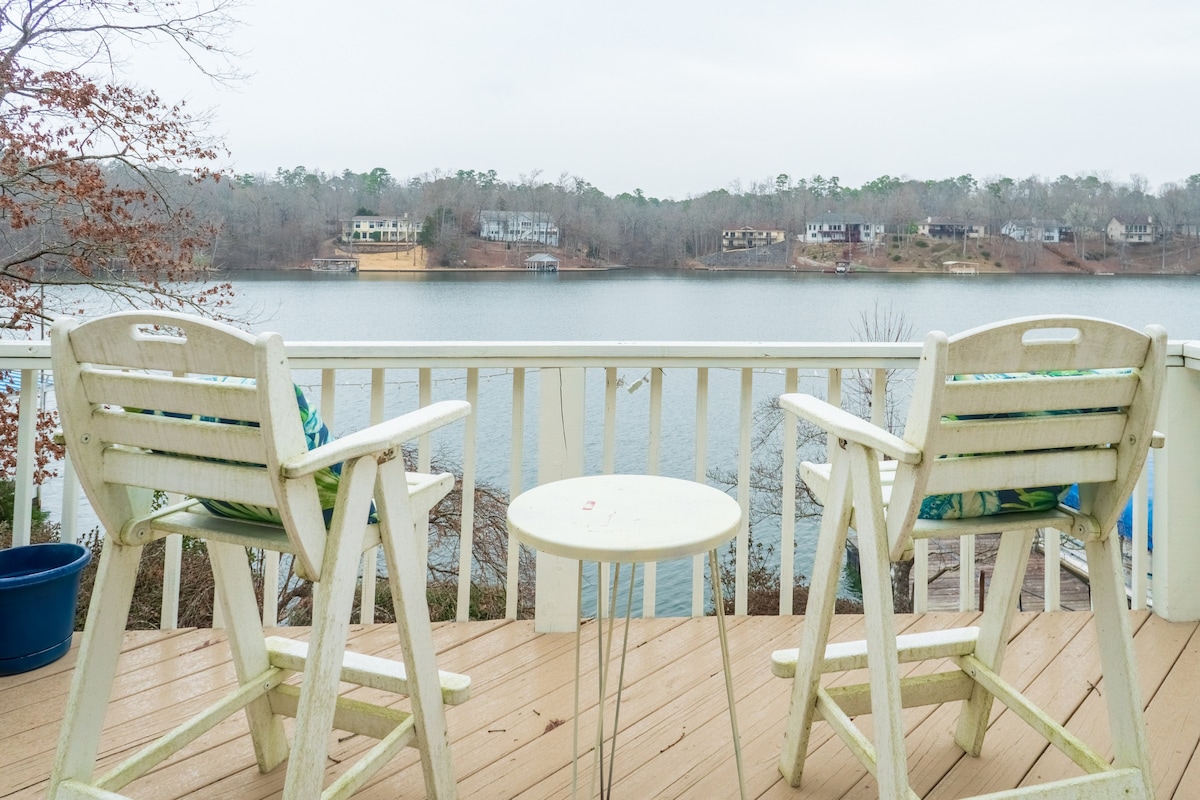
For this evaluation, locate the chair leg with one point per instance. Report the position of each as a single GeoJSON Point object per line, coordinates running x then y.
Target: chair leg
{"type": "Point", "coordinates": [334, 597]}
{"type": "Point", "coordinates": [407, 580]}
{"type": "Point", "coordinates": [235, 592]}
{"type": "Point", "coordinates": [822, 593]}
{"type": "Point", "coordinates": [1008, 577]}
{"type": "Point", "coordinates": [891, 762]}
{"type": "Point", "coordinates": [96, 665]}
{"type": "Point", "coordinates": [1110, 610]}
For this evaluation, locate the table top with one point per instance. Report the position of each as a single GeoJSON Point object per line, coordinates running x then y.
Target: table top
{"type": "Point", "coordinates": [624, 518]}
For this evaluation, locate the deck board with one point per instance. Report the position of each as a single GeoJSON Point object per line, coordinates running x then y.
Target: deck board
{"type": "Point", "coordinates": [512, 739]}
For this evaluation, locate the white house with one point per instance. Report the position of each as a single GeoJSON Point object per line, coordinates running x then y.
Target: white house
{"type": "Point", "coordinates": [381, 229]}
{"type": "Point", "coordinates": [833, 227]}
{"type": "Point", "coordinates": [1132, 229]}
{"type": "Point", "coordinates": [1035, 230]}
{"type": "Point", "coordinates": [518, 226]}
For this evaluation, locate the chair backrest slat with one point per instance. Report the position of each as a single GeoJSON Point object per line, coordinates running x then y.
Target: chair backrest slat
{"type": "Point", "coordinates": [1027, 434]}
{"type": "Point", "coordinates": [227, 482]}
{"type": "Point", "coordinates": [1110, 389]}
{"type": "Point", "coordinates": [1022, 471]}
{"type": "Point", "coordinates": [170, 394]}
{"type": "Point", "coordinates": [121, 340]}
{"type": "Point", "coordinates": [1044, 344]}
{"type": "Point", "coordinates": [181, 437]}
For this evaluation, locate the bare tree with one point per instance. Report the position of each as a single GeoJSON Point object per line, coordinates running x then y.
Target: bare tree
{"type": "Point", "coordinates": [87, 165]}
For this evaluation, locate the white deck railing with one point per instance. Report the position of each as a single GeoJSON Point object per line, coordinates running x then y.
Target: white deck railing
{"type": "Point", "coordinates": [550, 410]}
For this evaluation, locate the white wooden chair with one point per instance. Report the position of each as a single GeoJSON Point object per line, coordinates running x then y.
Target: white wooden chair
{"type": "Point", "coordinates": [966, 432]}
{"type": "Point", "coordinates": [107, 368]}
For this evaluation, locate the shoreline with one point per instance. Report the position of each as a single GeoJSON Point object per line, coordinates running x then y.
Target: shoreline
{"type": "Point", "coordinates": [785, 270]}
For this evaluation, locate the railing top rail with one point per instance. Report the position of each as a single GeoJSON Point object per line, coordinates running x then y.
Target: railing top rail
{"type": "Point", "coordinates": [399, 354]}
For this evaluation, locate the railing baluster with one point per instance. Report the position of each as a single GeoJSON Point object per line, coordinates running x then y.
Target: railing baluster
{"type": "Point", "coordinates": [742, 563]}
{"type": "Point", "coordinates": [879, 384]}
{"type": "Point", "coordinates": [515, 482]}
{"type": "Point", "coordinates": [966, 573]}
{"type": "Point", "coordinates": [921, 576]}
{"type": "Point", "coordinates": [653, 462]}
{"type": "Point", "coordinates": [69, 524]}
{"type": "Point", "coordinates": [270, 617]}
{"type": "Point", "coordinates": [466, 538]}
{"type": "Point", "coordinates": [700, 475]}
{"type": "Point", "coordinates": [424, 398]}
{"type": "Point", "coordinates": [787, 521]}
{"type": "Point", "coordinates": [172, 561]}
{"type": "Point", "coordinates": [370, 559]}
{"type": "Point", "coordinates": [26, 437]}
{"type": "Point", "coordinates": [608, 465]}
{"type": "Point", "coordinates": [1051, 559]}
{"type": "Point", "coordinates": [328, 397]}
{"type": "Point", "coordinates": [1139, 544]}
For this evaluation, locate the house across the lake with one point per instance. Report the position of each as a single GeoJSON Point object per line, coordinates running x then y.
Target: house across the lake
{"type": "Point", "coordinates": [1036, 231]}
{"type": "Point", "coordinates": [748, 236]}
{"type": "Point", "coordinates": [1132, 229]}
{"type": "Point", "coordinates": [365, 228]}
{"type": "Point", "coordinates": [543, 262]}
{"type": "Point", "coordinates": [518, 226]}
{"type": "Point", "coordinates": [848, 228]}
{"type": "Point", "coordinates": [950, 228]}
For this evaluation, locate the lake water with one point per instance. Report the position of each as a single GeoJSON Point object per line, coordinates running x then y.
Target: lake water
{"type": "Point", "coordinates": [630, 305]}
{"type": "Point", "coordinates": [642, 305]}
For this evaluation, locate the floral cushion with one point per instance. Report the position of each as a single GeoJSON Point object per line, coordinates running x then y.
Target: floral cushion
{"type": "Point", "coordinates": [965, 505]}
{"type": "Point", "coordinates": [315, 434]}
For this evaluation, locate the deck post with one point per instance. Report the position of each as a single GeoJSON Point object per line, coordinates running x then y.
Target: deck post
{"type": "Point", "coordinates": [1175, 562]}
{"type": "Point", "coordinates": [560, 455]}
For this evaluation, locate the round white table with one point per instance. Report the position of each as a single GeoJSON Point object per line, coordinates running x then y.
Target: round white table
{"type": "Point", "coordinates": [628, 519]}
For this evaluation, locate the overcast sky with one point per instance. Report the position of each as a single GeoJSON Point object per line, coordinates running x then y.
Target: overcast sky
{"type": "Point", "coordinates": [680, 97]}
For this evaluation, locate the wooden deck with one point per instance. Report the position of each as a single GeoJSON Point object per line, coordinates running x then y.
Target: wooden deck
{"type": "Point", "coordinates": [513, 738]}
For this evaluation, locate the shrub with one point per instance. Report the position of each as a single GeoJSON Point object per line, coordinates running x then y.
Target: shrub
{"type": "Point", "coordinates": [896, 257]}
{"type": "Point", "coordinates": [921, 243]}
{"type": "Point", "coordinates": [8, 492]}
{"type": "Point", "coordinates": [985, 254]}
{"type": "Point", "coordinates": [997, 263]}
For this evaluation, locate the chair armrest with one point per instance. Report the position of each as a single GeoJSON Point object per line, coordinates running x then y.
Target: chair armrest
{"type": "Point", "coordinates": [845, 425]}
{"type": "Point", "coordinates": [378, 438]}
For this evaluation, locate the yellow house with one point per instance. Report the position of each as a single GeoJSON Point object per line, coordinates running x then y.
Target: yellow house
{"type": "Point", "coordinates": [746, 237]}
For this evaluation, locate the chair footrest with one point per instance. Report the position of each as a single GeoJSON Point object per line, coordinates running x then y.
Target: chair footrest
{"type": "Point", "coordinates": [355, 716]}
{"type": "Point", "coordinates": [917, 690]}
{"type": "Point", "coordinates": [371, 671]}
{"type": "Point", "coordinates": [842, 656]}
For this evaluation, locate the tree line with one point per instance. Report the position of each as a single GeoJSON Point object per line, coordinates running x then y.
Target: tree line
{"type": "Point", "coordinates": [263, 221]}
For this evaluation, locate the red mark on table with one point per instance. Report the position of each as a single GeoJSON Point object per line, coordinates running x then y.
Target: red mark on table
{"type": "Point", "coordinates": [589, 505]}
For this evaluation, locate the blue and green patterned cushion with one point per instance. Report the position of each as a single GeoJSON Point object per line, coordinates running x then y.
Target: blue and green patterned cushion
{"type": "Point", "coordinates": [315, 434]}
{"type": "Point", "coordinates": [965, 505]}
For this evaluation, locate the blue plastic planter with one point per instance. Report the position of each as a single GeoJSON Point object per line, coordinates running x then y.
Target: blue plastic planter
{"type": "Point", "coordinates": [39, 585]}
